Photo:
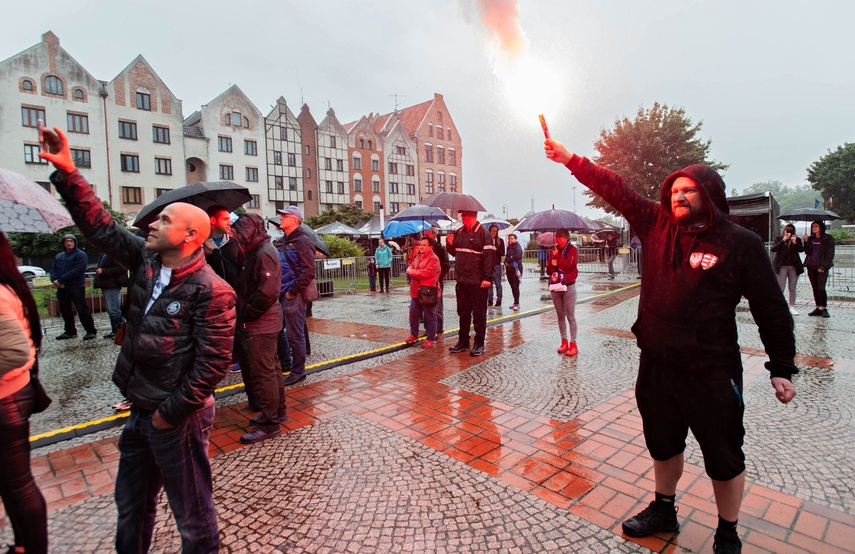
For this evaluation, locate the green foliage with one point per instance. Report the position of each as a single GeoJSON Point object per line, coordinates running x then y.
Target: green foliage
{"type": "Point", "coordinates": [349, 214]}
{"type": "Point", "coordinates": [840, 235]}
{"type": "Point", "coordinates": [514, 221]}
{"type": "Point", "coordinates": [834, 175]}
{"type": "Point", "coordinates": [341, 247]}
{"type": "Point", "coordinates": [788, 198]}
{"type": "Point", "coordinates": [645, 150]}
{"type": "Point", "coordinates": [40, 245]}
{"type": "Point", "coordinates": [532, 244]}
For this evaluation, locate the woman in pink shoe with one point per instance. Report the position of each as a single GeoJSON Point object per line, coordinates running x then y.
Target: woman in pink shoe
{"type": "Point", "coordinates": [423, 272]}
{"type": "Point", "coordinates": [563, 258]}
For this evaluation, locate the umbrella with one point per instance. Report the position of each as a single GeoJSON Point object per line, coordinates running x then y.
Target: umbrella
{"type": "Point", "coordinates": [546, 239]}
{"type": "Point", "coordinates": [549, 220]}
{"type": "Point", "coordinates": [371, 227]}
{"type": "Point", "coordinates": [420, 212]}
{"type": "Point", "coordinates": [602, 226]}
{"type": "Point", "coordinates": [25, 207]}
{"type": "Point", "coordinates": [336, 228]}
{"type": "Point", "coordinates": [400, 228]}
{"type": "Point", "coordinates": [808, 214]}
{"type": "Point", "coordinates": [320, 244]}
{"type": "Point", "coordinates": [454, 201]}
{"type": "Point", "coordinates": [203, 194]}
{"type": "Point", "coordinates": [500, 223]}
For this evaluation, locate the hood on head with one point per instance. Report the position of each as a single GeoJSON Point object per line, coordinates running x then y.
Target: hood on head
{"type": "Point", "coordinates": [711, 184]}
{"type": "Point", "coordinates": [821, 224]}
{"type": "Point", "coordinates": [252, 228]}
{"type": "Point", "coordinates": [70, 236]}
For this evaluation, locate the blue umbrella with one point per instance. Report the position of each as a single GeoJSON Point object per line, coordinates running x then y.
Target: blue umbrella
{"type": "Point", "coordinates": [400, 228]}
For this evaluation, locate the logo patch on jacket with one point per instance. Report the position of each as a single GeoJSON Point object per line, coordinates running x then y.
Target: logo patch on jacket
{"type": "Point", "coordinates": [705, 261]}
{"type": "Point", "coordinates": [173, 308]}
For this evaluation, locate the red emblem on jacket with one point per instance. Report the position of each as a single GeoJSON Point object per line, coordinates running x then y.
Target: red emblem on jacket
{"type": "Point", "coordinates": [705, 261]}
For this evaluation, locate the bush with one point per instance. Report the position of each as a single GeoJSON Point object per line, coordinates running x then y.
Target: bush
{"type": "Point", "coordinates": [342, 248]}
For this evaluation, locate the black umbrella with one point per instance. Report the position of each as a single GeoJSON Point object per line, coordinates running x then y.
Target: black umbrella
{"type": "Point", "coordinates": [203, 194]}
{"type": "Point", "coordinates": [320, 244]}
{"type": "Point", "coordinates": [599, 226]}
{"type": "Point", "coordinates": [420, 212]}
{"type": "Point", "coordinates": [549, 220]}
{"type": "Point", "coordinates": [454, 201]}
{"type": "Point", "coordinates": [808, 214]}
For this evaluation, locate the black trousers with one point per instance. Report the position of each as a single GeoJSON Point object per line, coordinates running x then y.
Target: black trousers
{"type": "Point", "coordinates": [383, 273]}
{"type": "Point", "coordinates": [77, 296]}
{"type": "Point", "coordinates": [817, 283]}
{"type": "Point", "coordinates": [472, 308]}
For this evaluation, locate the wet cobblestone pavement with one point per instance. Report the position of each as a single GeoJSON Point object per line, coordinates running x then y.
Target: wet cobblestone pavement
{"type": "Point", "coordinates": [521, 450]}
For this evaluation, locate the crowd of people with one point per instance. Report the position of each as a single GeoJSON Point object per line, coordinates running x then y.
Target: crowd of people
{"type": "Point", "coordinates": [205, 294]}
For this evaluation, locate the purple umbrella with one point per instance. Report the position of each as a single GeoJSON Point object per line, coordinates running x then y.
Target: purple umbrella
{"type": "Point", "coordinates": [25, 207]}
{"type": "Point", "coordinates": [550, 220]}
{"type": "Point", "coordinates": [454, 201]}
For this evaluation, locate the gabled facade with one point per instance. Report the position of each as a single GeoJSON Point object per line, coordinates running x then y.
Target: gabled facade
{"type": "Point", "coordinates": [284, 171]}
{"type": "Point", "coordinates": [45, 82]}
{"type": "Point", "coordinates": [367, 170]}
{"type": "Point", "coordinates": [333, 163]}
{"type": "Point", "coordinates": [226, 142]}
{"type": "Point", "coordinates": [144, 131]}
{"type": "Point", "coordinates": [401, 158]}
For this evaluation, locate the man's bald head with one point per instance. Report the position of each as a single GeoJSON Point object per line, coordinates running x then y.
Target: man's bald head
{"type": "Point", "coordinates": [178, 231]}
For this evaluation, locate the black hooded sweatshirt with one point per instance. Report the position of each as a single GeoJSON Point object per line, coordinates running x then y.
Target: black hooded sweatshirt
{"type": "Point", "coordinates": [694, 279]}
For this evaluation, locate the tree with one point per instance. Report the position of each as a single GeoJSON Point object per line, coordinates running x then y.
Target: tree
{"type": "Point", "coordinates": [41, 245]}
{"type": "Point", "coordinates": [800, 196]}
{"type": "Point", "coordinates": [659, 141]}
{"type": "Point", "coordinates": [834, 175]}
{"type": "Point", "coordinates": [348, 214]}
{"type": "Point", "coordinates": [341, 247]}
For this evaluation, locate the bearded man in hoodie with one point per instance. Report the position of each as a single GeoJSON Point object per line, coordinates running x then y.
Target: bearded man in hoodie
{"type": "Point", "coordinates": [698, 266]}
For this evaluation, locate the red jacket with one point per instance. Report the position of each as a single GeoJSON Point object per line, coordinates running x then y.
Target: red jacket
{"type": "Point", "coordinates": [425, 272]}
{"type": "Point", "coordinates": [568, 258]}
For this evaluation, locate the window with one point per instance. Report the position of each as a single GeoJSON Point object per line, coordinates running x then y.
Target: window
{"type": "Point", "coordinates": [448, 133]}
{"type": "Point", "coordinates": [246, 123]}
{"type": "Point", "coordinates": [82, 158]}
{"type": "Point", "coordinates": [440, 182]}
{"type": "Point", "coordinates": [327, 163]}
{"type": "Point", "coordinates": [453, 182]}
{"type": "Point", "coordinates": [440, 155]}
{"type": "Point", "coordinates": [53, 85]}
{"type": "Point", "coordinates": [163, 166]}
{"type": "Point", "coordinates": [309, 194]}
{"type": "Point", "coordinates": [358, 204]}
{"type": "Point", "coordinates": [79, 94]}
{"type": "Point", "coordinates": [393, 188]}
{"type": "Point", "coordinates": [361, 141]}
{"type": "Point", "coordinates": [393, 207]}
{"type": "Point", "coordinates": [131, 195]}
{"type": "Point", "coordinates": [308, 150]}
{"type": "Point", "coordinates": [78, 123]}
{"type": "Point", "coordinates": [439, 133]}
{"type": "Point", "coordinates": [340, 187]}
{"type": "Point", "coordinates": [411, 189]}
{"type": "Point", "coordinates": [292, 159]}
{"type": "Point", "coordinates": [158, 192]}
{"type": "Point", "coordinates": [128, 130]}
{"type": "Point", "coordinates": [332, 141]}
{"type": "Point", "coordinates": [252, 174]}
{"type": "Point", "coordinates": [31, 154]}
{"type": "Point", "coordinates": [160, 134]}
{"type": "Point", "coordinates": [308, 173]}
{"type": "Point", "coordinates": [143, 101]}
{"type": "Point", "coordinates": [375, 165]}
{"type": "Point", "coordinates": [428, 153]}
{"type": "Point", "coordinates": [377, 207]}
{"type": "Point", "coordinates": [375, 185]}
{"type": "Point", "coordinates": [27, 85]}
{"type": "Point", "coordinates": [357, 185]}
{"type": "Point", "coordinates": [277, 157]}
{"type": "Point", "coordinates": [357, 162]}
{"type": "Point", "coordinates": [328, 186]}
{"type": "Point", "coordinates": [292, 183]}
{"type": "Point", "coordinates": [439, 117]}
{"type": "Point", "coordinates": [255, 203]}
{"type": "Point", "coordinates": [370, 145]}
{"type": "Point", "coordinates": [401, 150]}
{"type": "Point", "coordinates": [236, 119]}
{"type": "Point", "coordinates": [452, 156]}
{"type": "Point", "coordinates": [227, 172]}
{"type": "Point", "coordinates": [430, 129]}
{"type": "Point", "coordinates": [131, 163]}
{"type": "Point", "coordinates": [428, 182]}
{"type": "Point", "coordinates": [411, 170]}
{"type": "Point", "coordinates": [283, 133]}
{"type": "Point", "coordinates": [277, 182]}
{"type": "Point", "coordinates": [30, 116]}
{"type": "Point", "coordinates": [393, 168]}
{"type": "Point", "coordinates": [227, 119]}
{"type": "Point", "coordinates": [224, 144]}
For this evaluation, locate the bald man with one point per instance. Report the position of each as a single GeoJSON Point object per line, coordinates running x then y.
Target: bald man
{"type": "Point", "coordinates": [177, 347]}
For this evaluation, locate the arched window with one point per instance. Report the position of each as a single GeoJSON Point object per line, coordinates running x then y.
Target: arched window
{"type": "Point", "coordinates": [53, 85]}
{"type": "Point", "coordinates": [309, 193]}
{"type": "Point", "coordinates": [78, 94]}
{"type": "Point", "coordinates": [370, 145]}
{"type": "Point", "coordinates": [430, 129]}
{"type": "Point", "coordinates": [27, 85]}
{"type": "Point", "coordinates": [246, 122]}
{"type": "Point", "coordinates": [228, 119]}
{"type": "Point", "coordinates": [362, 143]}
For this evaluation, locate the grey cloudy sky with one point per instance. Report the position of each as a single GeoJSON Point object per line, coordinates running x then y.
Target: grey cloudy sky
{"type": "Point", "coordinates": [772, 81]}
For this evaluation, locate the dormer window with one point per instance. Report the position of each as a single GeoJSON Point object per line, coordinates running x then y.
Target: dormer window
{"type": "Point", "coordinates": [53, 85]}
{"type": "Point", "coordinates": [27, 85]}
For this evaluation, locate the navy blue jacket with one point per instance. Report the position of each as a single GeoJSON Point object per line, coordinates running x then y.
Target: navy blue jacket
{"type": "Point", "coordinates": [69, 268]}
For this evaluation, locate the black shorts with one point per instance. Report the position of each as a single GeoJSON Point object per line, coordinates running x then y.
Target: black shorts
{"type": "Point", "coordinates": [671, 403]}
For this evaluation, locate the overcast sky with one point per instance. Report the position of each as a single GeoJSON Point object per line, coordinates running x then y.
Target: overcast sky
{"type": "Point", "coordinates": [772, 81]}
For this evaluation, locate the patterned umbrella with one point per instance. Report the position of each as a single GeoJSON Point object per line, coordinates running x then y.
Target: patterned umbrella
{"type": "Point", "coordinates": [25, 207]}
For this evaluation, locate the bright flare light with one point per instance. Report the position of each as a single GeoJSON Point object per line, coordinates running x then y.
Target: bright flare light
{"type": "Point", "coordinates": [532, 87]}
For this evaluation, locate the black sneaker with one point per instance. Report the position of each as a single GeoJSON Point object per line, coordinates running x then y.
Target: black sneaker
{"type": "Point", "coordinates": [459, 347]}
{"type": "Point", "coordinates": [65, 336]}
{"type": "Point", "coordinates": [649, 521]}
{"type": "Point", "coordinates": [294, 378]}
{"type": "Point", "coordinates": [723, 544]}
{"type": "Point", "coordinates": [259, 434]}
{"type": "Point", "coordinates": [815, 312]}
{"type": "Point", "coordinates": [489, 302]}
{"type": "Point", "coordinates": [498, 303]}
{"type": "Point", "coordinates": [477, 350]}
{"type": "Point", "coordinates": [90, 336]}
{"type": "Point", "coordinates": [824, 313]}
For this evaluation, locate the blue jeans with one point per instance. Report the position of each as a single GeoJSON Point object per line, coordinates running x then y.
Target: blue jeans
{"type": "Point", "coordinates": [294, 311]}
{"type": "Point", "coordinates": [497, 280]}
{"type": "Point", "coordinates": [283, 350]}
{"type": "Point", "coordinates": [175, 459]}
{"type": "Point", "coordinates": [113, 297]}
{"type": "Point", "coordinates": [24, 503]}
{"type": "Point", "coordinates": [416, 310]}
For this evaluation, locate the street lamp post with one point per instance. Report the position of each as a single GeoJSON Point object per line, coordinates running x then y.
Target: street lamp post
{"type": "Point", "coordinates": [574, 199]}
{"type": "Point", "coordinates": [505, 211]}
